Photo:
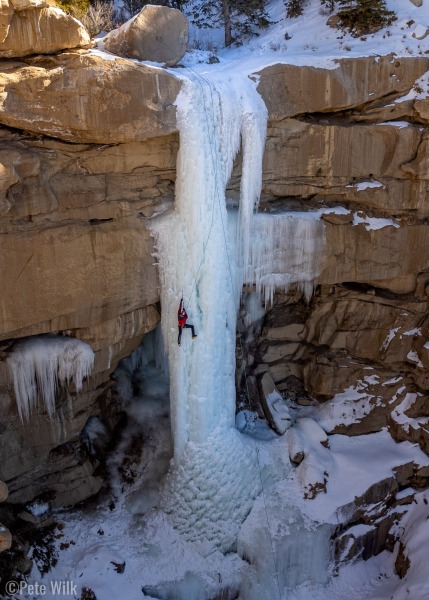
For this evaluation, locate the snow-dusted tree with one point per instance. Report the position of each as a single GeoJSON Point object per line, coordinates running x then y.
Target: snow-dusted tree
{"type": "Point", "coordinates": [294, 8]}
{"type": "Point", "coordinates": [237, 17]}
{"type": "Point", "coordinates": [364, 16]}
{"type": "Point", "coordinates": [330, 4]}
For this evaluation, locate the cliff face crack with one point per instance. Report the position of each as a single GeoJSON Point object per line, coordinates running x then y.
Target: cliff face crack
{"type": "Point", "coordinates": [412, 166]}
{"type": "Point", "coordinates": [24, 267]}
{"type": "Point", "coordinates": [98, 221]}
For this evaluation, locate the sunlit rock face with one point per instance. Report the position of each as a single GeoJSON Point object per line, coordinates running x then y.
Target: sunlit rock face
{"type": "Point", "coordinates": [364, 85]}
{"type": "Point", "coordinates": [39, 96]}
{"type": "Point", "coordinates": [37, 27]}
{"type": "Point", "coordinates": [81, 173]}
{"type": "Point", "coordinates": [156, 33]}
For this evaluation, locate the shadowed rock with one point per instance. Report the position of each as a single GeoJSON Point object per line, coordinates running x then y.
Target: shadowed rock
{"type": "Point", "coordinates": [5, 535]}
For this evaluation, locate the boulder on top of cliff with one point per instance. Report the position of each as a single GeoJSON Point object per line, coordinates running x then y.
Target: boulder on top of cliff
{"type": "Point", "coordinates": [40, 96]}
{"type": "Point", "coordinates": [156, 33]}
{"type": "Point", "coordinates": [35, 27]}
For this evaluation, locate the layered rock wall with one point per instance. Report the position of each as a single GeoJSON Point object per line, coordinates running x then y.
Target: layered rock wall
{"type": "Point", "coordinates": [37, 27]}
{"type": "Point", "coordinates": [87, 154]}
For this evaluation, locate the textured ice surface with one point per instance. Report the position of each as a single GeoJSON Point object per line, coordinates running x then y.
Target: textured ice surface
{"type": "Point", "coordinates": [286, 249]}
{"type": "Point", "coordinates": [211, 492]}
{"type": "Point", "coordinates": [286, 548]}
{"type": "Point", "coordinates": [195, 254]}
{"type": "Point", "coordinates": [41, 363]}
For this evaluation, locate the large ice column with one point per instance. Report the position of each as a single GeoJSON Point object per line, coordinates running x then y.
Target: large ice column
{"type": "Point", "coordinates": [194, 253]}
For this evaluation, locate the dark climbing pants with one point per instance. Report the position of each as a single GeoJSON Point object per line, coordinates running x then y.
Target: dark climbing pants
{"type": "Point", "coordinates": [179, 339]}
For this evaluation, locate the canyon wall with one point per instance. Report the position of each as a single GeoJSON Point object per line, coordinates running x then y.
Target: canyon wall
{"type": "Point", "coordinates": [87, 155]}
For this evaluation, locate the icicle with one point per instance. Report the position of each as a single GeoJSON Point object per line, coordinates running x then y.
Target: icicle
{"type": "Point", "coordinates": [39, 363]}
{"type": "Point", "coordinates": [254, 134]}
{"type": "Point", "coordinates": [286, 249]}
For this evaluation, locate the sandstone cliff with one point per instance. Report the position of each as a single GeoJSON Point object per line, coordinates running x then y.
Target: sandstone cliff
{"type": "Point", "coordinates": [87, 153]}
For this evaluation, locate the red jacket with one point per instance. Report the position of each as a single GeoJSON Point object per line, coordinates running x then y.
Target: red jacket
{"type": "Point", "coordinates": [182, 315]}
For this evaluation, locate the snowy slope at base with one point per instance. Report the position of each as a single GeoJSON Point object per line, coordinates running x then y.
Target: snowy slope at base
{"type": "Point", "coordinates": [283, 532]}
{"type": "Point", "coordinates": [173, 556]}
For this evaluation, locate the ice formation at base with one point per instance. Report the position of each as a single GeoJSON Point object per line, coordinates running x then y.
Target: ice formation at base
{"type": "Point", "coordinates": [288, 551]}
{"type": "Point", "coordinates": [212, 491]}
{"type": "Point", "coordinates": [39, 364]}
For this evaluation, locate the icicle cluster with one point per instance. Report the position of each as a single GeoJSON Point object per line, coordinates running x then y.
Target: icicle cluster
{"type": "Point", "coordinates": [40, 363]}
{"type": "Point", "coordinates": [286, 249]}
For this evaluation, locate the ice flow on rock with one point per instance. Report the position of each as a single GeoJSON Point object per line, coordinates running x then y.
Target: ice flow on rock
{"type": "Point", "coordinates": [195, 254]}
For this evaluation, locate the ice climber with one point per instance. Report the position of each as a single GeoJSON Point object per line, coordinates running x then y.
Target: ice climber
{"type": "Point", "coordinates": [182, 317]}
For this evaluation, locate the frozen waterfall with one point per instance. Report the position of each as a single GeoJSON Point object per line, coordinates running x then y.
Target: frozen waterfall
{"type": "Point", "coordinates": [286, 249]}
{"type": "Point", "coordinates": [206, 253]}
{"type": "Point", "coordinates": [195, 255]}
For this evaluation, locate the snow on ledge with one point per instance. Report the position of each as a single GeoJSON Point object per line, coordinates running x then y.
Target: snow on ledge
{"type": "Point", "coordinates": [373, 223]}
{"type": "Point", "coordinates": [364, 185]}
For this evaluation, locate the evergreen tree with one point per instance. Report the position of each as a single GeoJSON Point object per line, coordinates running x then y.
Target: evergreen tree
{"type": "Point", "coordinates": [330, 4]}
{"type": "Point", "coordinates": [237, 17]}
{"type": "Point", "coordinates": [294, 8]}
{"type": "Point", "coordinates": [135, 6]}
{"type": "Point", "coordinates": [364, 16]}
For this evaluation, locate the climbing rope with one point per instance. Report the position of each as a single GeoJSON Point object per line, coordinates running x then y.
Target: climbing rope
{"type": "Point", "coordinates": [196, 77]}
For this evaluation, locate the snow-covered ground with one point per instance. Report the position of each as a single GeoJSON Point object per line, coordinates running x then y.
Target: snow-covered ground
{"type": "Point", "coordinates": [311, 42]}
{"type": "Point", "coordinates": [234, 513]}
{"type": "Point", "coordinates": [152, 536]}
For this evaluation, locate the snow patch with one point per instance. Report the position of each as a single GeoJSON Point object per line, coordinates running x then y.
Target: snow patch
{"type": "Point", "coordinates": [414, 357]}
{"type": "Point", "coordinates": [373, 223]}
{"type": "Point", "coordinates": [364, 185]}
